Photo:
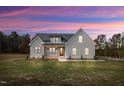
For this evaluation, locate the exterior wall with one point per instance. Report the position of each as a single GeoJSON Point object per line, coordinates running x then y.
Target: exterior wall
{"type": "Point", "coordinates": [37, 42]}
{"type": "Point", "coordinates": [80, 47]}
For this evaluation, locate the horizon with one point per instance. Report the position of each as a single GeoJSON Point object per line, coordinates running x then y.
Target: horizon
{"type": "Point", "coordinates": [31, 36]}
{"type": "Point", "coordinates": [94, 20]}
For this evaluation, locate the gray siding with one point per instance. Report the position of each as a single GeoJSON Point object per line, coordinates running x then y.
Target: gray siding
{"type": "Point", "coordinates": [80, 47]}
{"type": "Point", "coordinates": [37, 42]}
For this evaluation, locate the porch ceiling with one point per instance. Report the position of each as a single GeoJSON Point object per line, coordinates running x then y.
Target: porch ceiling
{"type": "Point", "coordinates": [57, 45]}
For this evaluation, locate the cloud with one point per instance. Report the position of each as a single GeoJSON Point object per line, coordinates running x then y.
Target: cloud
{"type": "Point", "coordinates": [14, 11]}
{"type": "Point", "coordinates": [84, 12]}
{"type": "Point", "coordinates": [94, 20]}
{"type": "Point", "coordinates": [63, 26]}
{"type": "Point", "coordinates": [68, 11]}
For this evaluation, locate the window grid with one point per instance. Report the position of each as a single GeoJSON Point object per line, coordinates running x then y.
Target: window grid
{"type": "Point", "coordinates": [55, 39]}
{"type": "Point", "coordinates": [37, 49]}
{"type": "Point", "coordinates": [52, 50]}
{"type": "Point", "coordinates": [86, 51]}
{"type": "Point", "coordinates": [80, 39]}
{"type": "Point", "coordinates": [74, 51]}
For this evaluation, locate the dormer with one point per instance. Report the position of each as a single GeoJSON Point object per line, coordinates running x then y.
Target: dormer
{"type": "Point", "coordinates": [55, 39]}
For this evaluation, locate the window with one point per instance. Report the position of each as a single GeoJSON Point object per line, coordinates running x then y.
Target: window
{"type": "Point", "coordinates": [55, 39]}
{"type": "Point", "coordinates": [86, 51]}
{"type": "Point", "coordinates": [80, 39]}
{"type": "Point", "coordinates": [52, 50]}
{"type": "Point", "coordinates": [37, 50]}
{"type": "Point", "coordinates": [74, 51]}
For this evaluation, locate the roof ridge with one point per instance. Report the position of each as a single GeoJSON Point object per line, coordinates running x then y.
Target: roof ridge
{"type": "Point", "coordinates": [56, 33]}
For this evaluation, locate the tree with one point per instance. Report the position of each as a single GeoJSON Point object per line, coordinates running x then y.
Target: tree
{"type": "Point", "coordinates": [1, 41]}
{"type": "Point", "coordinates": [116, 41]}
{"type": "Point", "coordinates": [113, 47]}
{"type": "Point", "coordinates": [100, 43]}
{"type": "Point", "coordinates": [123, 41]}
{"type": "Point", "coordinates": [122, 46]}
{"type": "Point", "coordinates": [14, 39]}
{"type": "Point", "coordinates": [24, 43]}
{"type": "Point", "coordinates": [14, 43]}
{"type": "Point", "coordinates": [116, 45]}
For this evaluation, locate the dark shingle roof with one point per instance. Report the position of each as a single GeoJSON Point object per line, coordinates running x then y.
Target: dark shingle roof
{"type": "Point", "coordinates": [46, 36]}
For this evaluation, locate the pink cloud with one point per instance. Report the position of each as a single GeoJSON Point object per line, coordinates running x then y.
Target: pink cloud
{"type": "Point", "coordinates": [93, 29]}
{"type": "Point", "coordinates": [104, 12]}
{"type": "Point", "coordinates": [72, 26]}
{"type": "Point", "coordinates": [27, 24]}
{"type": "Point", "coordinates": [15, 13]}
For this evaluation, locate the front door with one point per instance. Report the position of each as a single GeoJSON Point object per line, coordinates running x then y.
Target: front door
{"type": "Point", "coordinates": [62, 51]}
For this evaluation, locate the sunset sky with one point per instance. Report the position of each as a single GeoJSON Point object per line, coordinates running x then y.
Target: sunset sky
{"type": "Point", "coordinates": [32, 20]}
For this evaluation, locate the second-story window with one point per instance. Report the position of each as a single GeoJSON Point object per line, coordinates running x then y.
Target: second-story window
{"type": "Point", "coordinates": [55, 39]}
{"type": "Point", "coordinates": [80, 39]}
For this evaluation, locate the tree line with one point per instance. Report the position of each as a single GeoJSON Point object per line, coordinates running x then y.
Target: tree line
{"type": "Point", "coordinates": [14, 43]}
{"type": "Point", "coordinates": [113, 47]}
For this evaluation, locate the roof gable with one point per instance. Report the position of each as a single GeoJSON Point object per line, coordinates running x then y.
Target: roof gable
{"type": "Point", "coordinates": [34, 39]}
{"type": "Point", "coordinates": [81, 31]}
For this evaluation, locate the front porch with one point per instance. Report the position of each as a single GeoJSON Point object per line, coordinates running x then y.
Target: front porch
{"type": "Point", "coordinates": [54, 51]}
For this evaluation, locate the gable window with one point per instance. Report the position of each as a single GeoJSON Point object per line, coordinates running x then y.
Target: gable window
{"type": "Point", "coordinates": [86, 51]}
{"type": "Point", "coordinates": [80, 39]}
{"type": "Point", "coordinates": [73, 51]}
{"type": "Point", "coordinates": [37, 49]}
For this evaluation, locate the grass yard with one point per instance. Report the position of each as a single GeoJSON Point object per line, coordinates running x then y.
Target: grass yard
{"type": "Point", "coordinates": [16, 70]}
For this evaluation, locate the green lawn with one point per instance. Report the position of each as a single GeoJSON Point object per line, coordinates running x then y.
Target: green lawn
{"type": "Point", "coordinates": [16, 70]}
